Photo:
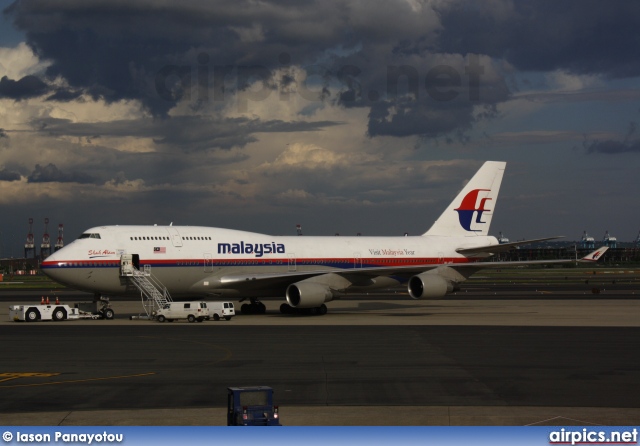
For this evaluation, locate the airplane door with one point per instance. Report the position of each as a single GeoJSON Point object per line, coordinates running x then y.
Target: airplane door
{"type": "Point", "coordinates": [357, 260]}
{"type": "Point", "coordinates": [175, 236]}
{"type": "Point", "coordinates": [208, 263]}
{"type": "Point", "coordinates": [135, 260]}
{"type": "Point", "coordinates": [292, 262]}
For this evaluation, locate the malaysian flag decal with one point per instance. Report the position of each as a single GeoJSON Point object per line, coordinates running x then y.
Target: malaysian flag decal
{"type": "Point", "coordinates": [159, 250]}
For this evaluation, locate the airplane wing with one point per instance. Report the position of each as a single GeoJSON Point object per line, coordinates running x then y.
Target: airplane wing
{"type": "Point", "coordinates": [589, 258]}
{"type": "Point", "coordinates": [259, 280]}
{"type": "Point", "coordinates": [492, 249]}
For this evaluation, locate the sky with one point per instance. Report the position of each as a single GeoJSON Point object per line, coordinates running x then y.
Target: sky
{"type": "Point", "coordinates": [343, 116]}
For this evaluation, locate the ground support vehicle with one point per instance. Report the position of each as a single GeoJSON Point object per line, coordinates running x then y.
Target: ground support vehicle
{"type": "Point", "coordinates": [101, 308]}
{"type": "Point", "coordinates": [54, 312]}
{"type": "Point", "coordinates": [251, 406]}
{"type": "Point", "coordinates": [191, 311]}
{"type": "Point", "coordinates": [219, 310]}
{"type": "Point", "coordinates": [98, 309]}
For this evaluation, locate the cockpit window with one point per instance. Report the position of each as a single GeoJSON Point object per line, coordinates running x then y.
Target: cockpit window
{"type": "Point", "coordinates": [89, 235]}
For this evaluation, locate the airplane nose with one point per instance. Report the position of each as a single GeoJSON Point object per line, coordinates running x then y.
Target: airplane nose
{"type": "Point", "coordinates": [50, 266]}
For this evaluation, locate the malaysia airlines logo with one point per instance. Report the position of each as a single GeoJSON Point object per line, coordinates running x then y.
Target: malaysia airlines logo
{"type": "Point", "coordinates": [468, 208]}
{"type": "Point", "coordinates": [258, 249]}
{"type": "Point", "coordinates": [596, 255]}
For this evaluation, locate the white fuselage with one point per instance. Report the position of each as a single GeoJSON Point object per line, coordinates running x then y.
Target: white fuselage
{"type": "Point", "coordinates": [191, 260]}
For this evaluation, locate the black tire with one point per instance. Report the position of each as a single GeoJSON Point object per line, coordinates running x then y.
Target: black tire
{"type": "Point", "coordinates": [262, 308]}
{"type": "Point", "coordinates": [322, 310]}
{"type": "Point", "coordinates": [59, 314]}
{"type": "Point", "coordinates": [108, 313]}
{"type": "Point", "coordinates": [228, 318]}
{"type": "Point", "coordinates": [285, 309]}
{"type": "Point", "coordinates": [245, 308]}
{"type": "Point", "coordinates": [32, 315]}
{"type": "Point", "coordinates": [161, 318]}
{"type": "Point", "coordinates": [216, 317]}
{"type": "Point", "coordinates": [191, 318]}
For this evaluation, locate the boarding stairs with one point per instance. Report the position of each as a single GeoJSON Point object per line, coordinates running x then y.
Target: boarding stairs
{"type": "Point", "coordinates": [154, 294]}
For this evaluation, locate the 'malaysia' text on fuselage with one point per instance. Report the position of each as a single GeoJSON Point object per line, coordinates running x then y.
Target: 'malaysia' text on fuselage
{"type": "Point", "coordinates": [259, 249]}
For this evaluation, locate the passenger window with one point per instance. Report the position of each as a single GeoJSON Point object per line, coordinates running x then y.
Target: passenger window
{"type": "Point", "coordinates": [187, 305]}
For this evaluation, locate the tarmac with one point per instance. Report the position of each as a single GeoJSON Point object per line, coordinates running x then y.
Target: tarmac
{"type": "Point", "coordinates": [505, 355]}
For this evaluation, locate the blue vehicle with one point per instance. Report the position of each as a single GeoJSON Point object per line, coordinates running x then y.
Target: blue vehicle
{"type": "Point", "coordinates": [251, 406]}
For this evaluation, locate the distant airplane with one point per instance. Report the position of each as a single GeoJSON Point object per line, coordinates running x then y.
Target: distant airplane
{"type": "Point", "coordinates": [307, 271]}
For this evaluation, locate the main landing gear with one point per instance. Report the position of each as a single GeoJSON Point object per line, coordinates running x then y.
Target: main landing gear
{"type": "Point", "coordinates": [255, 307]}
{"type": "Point", "coordinates": [288, 309]}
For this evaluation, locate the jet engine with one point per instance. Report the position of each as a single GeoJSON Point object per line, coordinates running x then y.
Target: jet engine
{"type": "Point", "coordinates": [429, 286]}
{"type": "Point", "coordinates": [308, 295]}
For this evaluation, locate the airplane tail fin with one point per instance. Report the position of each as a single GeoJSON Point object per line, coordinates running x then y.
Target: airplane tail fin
{"type": "Point", "coordinates": [469, 214]}
{"type": "Point", "coordinates": [595, 255]}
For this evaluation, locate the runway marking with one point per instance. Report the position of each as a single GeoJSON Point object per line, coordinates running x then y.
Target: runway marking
{"type": "Point", "coordinates": [9, 376]}
{"type": "Point", "coordinates": [77, 380]}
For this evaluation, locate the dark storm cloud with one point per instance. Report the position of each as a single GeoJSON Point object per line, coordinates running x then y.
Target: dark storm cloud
{"type": "Point", "coordinates": [580, 36]}
{"type": "Point", "coordinates": [195, 133]}
{"type": "Point", "coordinates": [182, 133]}
{"type": "Point", "coordinates": [611, 147]}
{"type": "Point", "coordinates": [160, 52]}
{"type": "Point", "coordinates": [27, 87]}
{"type": "Point", "coordinates": [402, 118]}
{"type": "Point", "coordinates": [51, 174]}
{"type": "Point", "coordinates": [7, 175]}
{"type": "Point", "coordinates": [115, 49]}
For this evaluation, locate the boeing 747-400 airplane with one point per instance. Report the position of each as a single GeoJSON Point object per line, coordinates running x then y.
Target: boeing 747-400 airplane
{"type": "Point", "coordinates": [196, 261]}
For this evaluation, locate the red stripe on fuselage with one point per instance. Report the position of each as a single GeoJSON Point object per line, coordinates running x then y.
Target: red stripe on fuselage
{"type": "Point", "coordinates": [371, 262]}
